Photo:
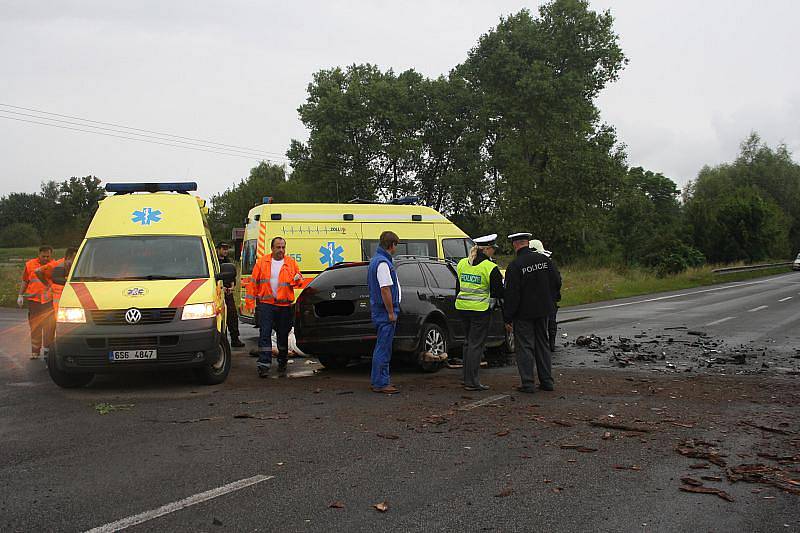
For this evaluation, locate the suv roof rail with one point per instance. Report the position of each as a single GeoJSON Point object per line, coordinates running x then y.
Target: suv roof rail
{"type": "Point", "coordinates": [427, 257]}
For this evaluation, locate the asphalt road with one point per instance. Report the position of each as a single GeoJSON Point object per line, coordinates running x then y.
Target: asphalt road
{"type": "Point", "coordinates": [316, 450]}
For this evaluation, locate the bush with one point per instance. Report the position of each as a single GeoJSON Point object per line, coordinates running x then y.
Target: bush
{"type": "Point", "coordinates": [19, 234]}
{"type": "Point", "coordinates": [673, 258]}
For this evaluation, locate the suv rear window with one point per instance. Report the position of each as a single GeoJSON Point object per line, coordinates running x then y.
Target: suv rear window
{"type": "Point", "coordinates": [443, 275]}
{"type": "Point", "coordinates": [409, 275]}
{"type": "Point", "coordinates": [351, 276]}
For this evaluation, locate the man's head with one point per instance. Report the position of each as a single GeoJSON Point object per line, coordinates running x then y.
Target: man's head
{"type": "Point", "coordinates": [45, 254]}
{"type": "Point", "coordinates": [69, 257]}
{"type": "Point", "coordinates": [278, 246]}
{"type": "Point", "coordinates": [222, 249]}
{"type": "Point", "coordinates": [388, 241]}
{"type": "Point", "coordinates": [520, 240]}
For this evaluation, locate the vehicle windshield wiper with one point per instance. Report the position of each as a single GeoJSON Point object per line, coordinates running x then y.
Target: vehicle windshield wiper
{"type": "Point", "coordinates": [93, 278]}
{"type": "Point", "coordinates": [151, 277]}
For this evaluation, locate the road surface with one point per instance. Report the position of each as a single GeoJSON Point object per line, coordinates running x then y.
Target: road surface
{"type": "Point", "coordinates": [315, 451]}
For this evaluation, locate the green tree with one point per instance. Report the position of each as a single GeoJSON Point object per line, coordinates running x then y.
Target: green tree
{"type": "Point", "coordinates": [229, 209]}
{"type": "Point", "coordinates": [19, 234]}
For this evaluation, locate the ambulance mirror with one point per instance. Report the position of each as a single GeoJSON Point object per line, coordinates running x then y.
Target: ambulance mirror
{"type": "Point", "coordinates": [227, 273]}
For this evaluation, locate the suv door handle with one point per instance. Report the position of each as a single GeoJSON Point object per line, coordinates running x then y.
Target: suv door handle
{"type": "Point", "coordinates": [438, 297]}
{"type": "Point", "coordinates": [422, 295]}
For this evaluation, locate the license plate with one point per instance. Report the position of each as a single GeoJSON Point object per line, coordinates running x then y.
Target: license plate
{"type": "Point", "coordinates": [132, 355]}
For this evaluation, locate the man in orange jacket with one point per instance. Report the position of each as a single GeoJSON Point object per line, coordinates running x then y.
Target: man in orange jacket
{"type": "Point", "coordinates": [50, 273]}
{"type": "Point", "coordinates": [37, 295]}
{"type": "Point", "coordinates": [271, 292]}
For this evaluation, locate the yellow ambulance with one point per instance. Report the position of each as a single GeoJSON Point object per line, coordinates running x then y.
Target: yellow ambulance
{"type": "Point", "coordinates": [145, 290]}
{"type": "Point", "coordinates": [319, 236]}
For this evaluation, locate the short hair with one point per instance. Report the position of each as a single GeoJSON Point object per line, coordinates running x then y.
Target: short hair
{"type": "Point", "coordinates": [46, 248]}
{"type": "Point", "coordinates": [272, 242]}
{"type": "Point", "coordinates": [70, 252]}
{"type": "Point", "coordinates": [389, 239]}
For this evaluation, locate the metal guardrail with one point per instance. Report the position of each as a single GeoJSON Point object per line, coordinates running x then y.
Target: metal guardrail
{"type": "Point", "coordinates": [748, 268]}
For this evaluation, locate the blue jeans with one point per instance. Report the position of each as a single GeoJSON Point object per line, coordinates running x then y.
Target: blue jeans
{"type": "Point", "coordinates": [382, 354]}
{"type": "Point", "coordinates": [279, 318]}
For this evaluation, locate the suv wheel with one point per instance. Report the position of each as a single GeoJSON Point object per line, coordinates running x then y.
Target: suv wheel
{"type": "Point", "coordinates": [433, 340]}
{"type": "Point", "coordinates": [334, 362]}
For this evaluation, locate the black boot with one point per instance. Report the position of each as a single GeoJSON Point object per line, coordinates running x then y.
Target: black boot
{"type": "Point", "coordinates": [283, 359]}
{"type": "Point", "coordinates": [236, 343]}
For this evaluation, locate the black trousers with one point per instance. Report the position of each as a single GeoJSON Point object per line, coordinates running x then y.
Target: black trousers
{"type": "Point", "coordinates": [552, 328]}
{"type": "Point", "coordinates": [232, 316]}
{"type": "Point", "coordinates": [533, 352]}
{"type": "Point", "coordinates": [476, 329]}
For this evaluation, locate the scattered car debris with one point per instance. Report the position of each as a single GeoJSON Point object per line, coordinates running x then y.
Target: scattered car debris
{"type": "Point", "coordinates": [387, 436]}
{"type": "Point", "coordinates": [336, 505]}
{"type": "Point", "coordinates": [627, 467]}
{"type": "Point", "coordinates": [766, 428]}
{"type": "Point", "coordinates": [261, 417]}
{"type": "Point", "coordinates": [691, 481]}
{"type": "Point", "coordinates": [708, 490]}
{"type": "Point", "coordinates": [508, 491]}
{"type": "Point", "coordinates": [382, 506]}
{"type": "Point", "coordinates": [619, 426]}
{"type": "Point", "coordinates": [701, 450]}
{"type": "Point", "coordinates": [106, 408]}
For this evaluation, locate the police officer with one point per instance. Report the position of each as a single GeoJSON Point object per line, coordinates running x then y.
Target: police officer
{"type": "Point", "coordinates": [532, 281]}
{"type": "Point", "coordinates": [230, 302]}
{"type": "Point", "coordinates": [480, 285]}
{"type": "Point", "coordinates": [552, 322]}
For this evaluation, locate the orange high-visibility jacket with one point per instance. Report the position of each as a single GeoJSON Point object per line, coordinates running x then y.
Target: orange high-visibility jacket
{"type": "Point", "coordinates": [36, 291]}
{"type": "Point", "coordinates": [259, 289]}
{"type": "Point", "coordinates": [45, 274]}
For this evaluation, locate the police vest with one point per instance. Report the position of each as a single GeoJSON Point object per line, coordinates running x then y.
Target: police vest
{"type": "Point", "coordinates": [474, 285]}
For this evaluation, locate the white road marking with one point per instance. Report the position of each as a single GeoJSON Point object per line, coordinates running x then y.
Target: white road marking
{"type": "Point", "coordinates": [583, 309]}
{"type": "Point", "coordinates": [720, 321]}
{"type": "Point", "coordinates": [180, 504]}
{"type": "Point", "coordinates": [784, 299]}
{"type": "Point", "coordinates": [759, 308]}
{"type": "Point", "coordinates": [485, 401]}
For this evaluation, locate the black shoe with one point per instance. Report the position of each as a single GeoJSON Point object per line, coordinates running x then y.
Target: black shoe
{"type": "Point", "coordinates": [254, 353]}
{"type": "Point", "coordinates": [478, 387]}
{"type": "Point", "coordinates": [282, 367]}
{"type": "Point", "coordinates": [528, 390]}
{"type": "Point", "coordinates": [236, 343]}
{"type": "Point", "coordinates": [263, 371]}
{"type": "Point", "coordinates": [546, 387]}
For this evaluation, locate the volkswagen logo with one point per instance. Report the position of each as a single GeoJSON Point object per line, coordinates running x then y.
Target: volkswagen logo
{"type": "Point", "coordinates": [333, 295]}
{"type": "Point", "coordinates": [133, 316]}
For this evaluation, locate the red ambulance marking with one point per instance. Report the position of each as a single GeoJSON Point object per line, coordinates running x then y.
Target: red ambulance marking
{"type": "Point", "coordinates": [84, 296]}
{"type": "Point", "coordinates": [183, 296]}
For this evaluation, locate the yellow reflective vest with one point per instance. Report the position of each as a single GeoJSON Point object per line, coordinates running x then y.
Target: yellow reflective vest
{"type": "Point", "coordinates": [474, 294]}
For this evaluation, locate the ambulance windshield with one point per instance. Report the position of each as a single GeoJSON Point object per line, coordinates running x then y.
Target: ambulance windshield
{"type": "Point", "coordinates": [141, 258]}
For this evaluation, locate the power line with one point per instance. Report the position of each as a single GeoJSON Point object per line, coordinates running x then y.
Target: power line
{"type": "Point", "coordinates": [133, 138]}
{"type": "Point", "coordinates": [242, 152]}
{"type": "Point", "coordinates": [138, 129]}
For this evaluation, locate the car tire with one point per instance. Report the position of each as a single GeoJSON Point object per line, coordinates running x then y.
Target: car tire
{"type": "Point", "coordinates": [217, 372]}
{"type": "Point", "coordinates": [66, 380]}
{"type": "Point", "coordinates": [334, 362]}
{"type": "Point", "coordinates": [434, 340]}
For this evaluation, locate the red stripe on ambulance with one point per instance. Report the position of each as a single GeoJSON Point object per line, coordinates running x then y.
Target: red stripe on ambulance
{"type": "Point", "coordinates": [84, 296]}
{"type": "Point", "coordinates": [185, 293]}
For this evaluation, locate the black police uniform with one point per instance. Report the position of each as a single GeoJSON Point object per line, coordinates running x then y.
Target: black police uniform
{"type": "Point", "coordinates": [532, 283]}
{"type": "Point", "coordinates": [232, 314]}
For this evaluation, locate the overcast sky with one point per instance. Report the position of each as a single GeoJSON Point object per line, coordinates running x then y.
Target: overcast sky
{"type": "Point", "coordinates": [701, 76]}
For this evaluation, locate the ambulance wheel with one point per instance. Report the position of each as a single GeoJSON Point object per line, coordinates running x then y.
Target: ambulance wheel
{"type": "Point", "coordinates": [334, 362]}
{"type": "Point", "coordinates": [65, 380]}
{"type": "Point", "coordinates": [216, 373]}
{"type": "Point", "coordinates": [433, 340]}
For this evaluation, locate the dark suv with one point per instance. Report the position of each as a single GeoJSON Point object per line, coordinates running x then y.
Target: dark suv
{"type": "Point", "coordinates": [332, 315]}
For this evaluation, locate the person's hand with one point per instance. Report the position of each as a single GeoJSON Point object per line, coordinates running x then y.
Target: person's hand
{"type": "Point", "coordinates": [298, 277]}
{"type": "Point", "coordinates": [392, 317]}
{"type": "Point", "coordinates": [20, 301]}
{"type": "Point", "coordinates": [509, 328]}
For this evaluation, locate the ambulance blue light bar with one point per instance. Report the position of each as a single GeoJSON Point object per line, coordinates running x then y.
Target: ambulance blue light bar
{"type": "Point", "coordinates": [127, 188]}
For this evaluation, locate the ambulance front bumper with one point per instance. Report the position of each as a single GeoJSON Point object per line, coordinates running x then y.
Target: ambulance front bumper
{"type": "Point", "coordinates": [178, 344]}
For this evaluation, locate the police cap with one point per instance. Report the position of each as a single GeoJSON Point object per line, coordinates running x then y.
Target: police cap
{"type": "Point", "coordinates": [522, 236]}
{"type": "Point", "coordinates": [486, 240]}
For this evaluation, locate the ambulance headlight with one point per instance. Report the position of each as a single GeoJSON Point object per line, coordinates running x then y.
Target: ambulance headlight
{"type": "Point", "coordinates": [71, 315]}
{"type": "Point", "coordinates": [195, 311]}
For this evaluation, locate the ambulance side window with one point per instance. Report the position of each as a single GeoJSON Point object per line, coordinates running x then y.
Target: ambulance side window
{"type": "Point", "coordinates": [456, 249]}
{"type": "Point", "coordinates": [248, 257]}
{"type": "Point", "coordinates": [417, 247]}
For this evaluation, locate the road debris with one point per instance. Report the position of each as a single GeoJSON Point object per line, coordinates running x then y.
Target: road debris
{"type": "Point", "coordinates": [261, 417]}
{"type": "Point", "coordinates": [578, 447]}
{"type": "Point", "coordinates": [701, 450]}
{"type": "Point", "coordinates": [619, 426]}
{"type": "Point", "coordinates": [627, 467]}
{"type": "Point", "coordinates": [382, 506]}
{"type": "Point", "coordinates": [692, 481]}
{"type": "Point", "coordinates": [106, 408]}
{"type": "Point", "coordinates": [708, 490]}
{"type": "Point", "coordinates": [387, 436]}
{"type": "Point", "coordinates": [508, 491]}
{"type": "Point", "coordinates": [336, 505]}
{"type": "Point", "coordinates": [766, 428]}
{"type": "Point", "coordinates": [764, 474]}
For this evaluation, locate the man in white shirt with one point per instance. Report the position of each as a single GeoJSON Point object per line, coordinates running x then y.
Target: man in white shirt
{"type": "Point", "coordinates": [384, 299]}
